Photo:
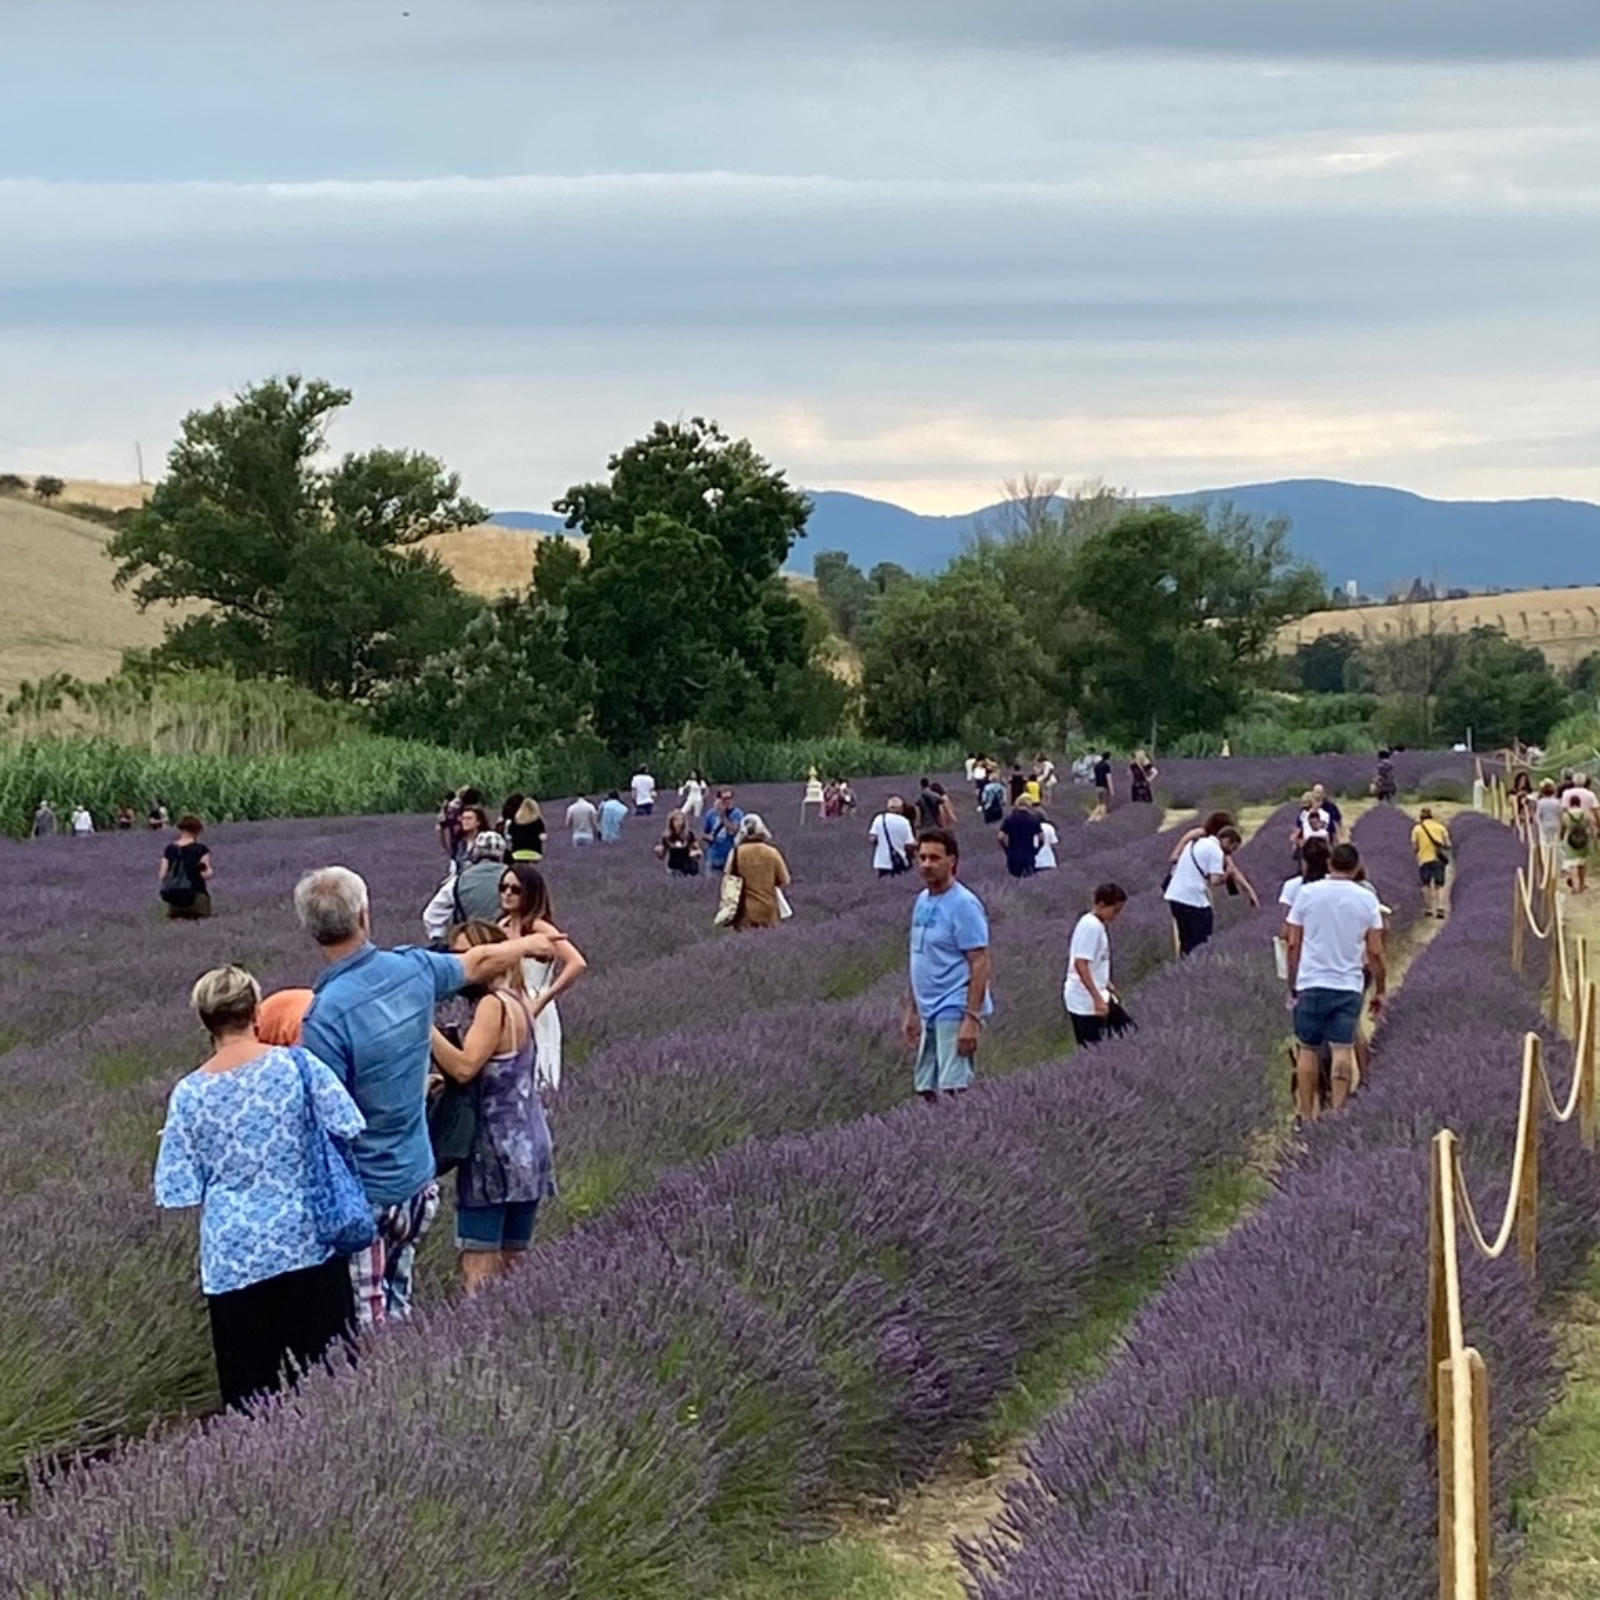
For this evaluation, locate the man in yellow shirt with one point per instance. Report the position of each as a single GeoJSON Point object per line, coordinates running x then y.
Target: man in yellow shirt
{"type": "Point", "coordinates": [1430, 839]}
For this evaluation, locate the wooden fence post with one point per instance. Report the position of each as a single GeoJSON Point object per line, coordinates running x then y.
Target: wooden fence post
{"type": "Point", "coordinates": [1477, 1374]}
{"type": "Point", "coordinates": [1444, 1379]}
{"type": "Point", "coordinates": [1583, 1062]}
{"type": "Point", "coordinates": [1438, 1288]}
{"type": "Point", "coordinates": [1528, 1199]}
{"type": "Point", "coordinates": [1516, 923]}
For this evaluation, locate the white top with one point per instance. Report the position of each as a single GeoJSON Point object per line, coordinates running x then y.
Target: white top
{"type": "Point", "coordinates": [890, 831]}
{"type": "Point", "coordinates": [582, 817]}
{"type": "Point", "coordinates": [972, 770]}
{"type": "Point", "coordinates": [1091, 943]}
{"type": "Point", "coordinates": [1200, 861]}
{"type": "Point", "coordinates": [1547, 811]}
{"type": "Point", "coordinates": [1586, 798]}
{"type": "Point", "coordinates": [1310, 828]}
{"type": "Point", "coordinates": [644, 789]}
{"type": "Point", "coordinates": [693, 793]}
{"type": "Point", "coordinates": [82, 822]}
{"type": "Point", "coordinates": [1335, 916]}
{"type": "Point", "coordinates": [1047, 774]}
{"type": "Point", "coordinates": [1289, 893]}
{"type": "Point", "coordinates": [1045, 859]}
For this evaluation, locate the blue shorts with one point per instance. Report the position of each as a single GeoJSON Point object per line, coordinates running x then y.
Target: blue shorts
{"type": "Point", "coordinates": [496, 1228]}
{"type": "Point", "coordinates": [1327, 1016]}
{"type": "Point", "coordinates": [939, 1067]}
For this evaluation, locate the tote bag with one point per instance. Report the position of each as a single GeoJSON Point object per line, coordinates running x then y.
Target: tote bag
{"type": "Point", "coordinates": [340, 1211]}
{"type": "Point", "coordinates": [732, 894]}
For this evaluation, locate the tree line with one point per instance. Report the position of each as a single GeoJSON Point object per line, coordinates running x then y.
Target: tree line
{"type": "Point", "coordinates": [665, 613]}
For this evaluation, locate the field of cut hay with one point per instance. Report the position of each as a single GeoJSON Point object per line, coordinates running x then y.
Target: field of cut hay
{"type": "Point", "coordinates": [1563, 623]}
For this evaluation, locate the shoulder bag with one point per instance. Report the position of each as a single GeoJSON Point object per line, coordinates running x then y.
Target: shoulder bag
{"type": "Point", "coordinates": [732, 895]}
{"type": "Point", "coordinates": [340, 1210]}
{"type": "Point", "coordinates": [1441, 851]}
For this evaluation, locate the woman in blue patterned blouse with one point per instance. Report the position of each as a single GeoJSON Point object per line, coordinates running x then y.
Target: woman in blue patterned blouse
{"type": "Point", "coordinates": [235, 1145]}
{"type": "Point", "coordinates": [510, 1170]}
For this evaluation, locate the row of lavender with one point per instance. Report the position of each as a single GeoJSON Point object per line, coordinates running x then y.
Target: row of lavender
{"type": "Point", "coordinates": [721, 1356]}
{"type": "Point", "coordinates": [1264, 1434]}
{"type": "Point", "coordinates": [694, 1040]}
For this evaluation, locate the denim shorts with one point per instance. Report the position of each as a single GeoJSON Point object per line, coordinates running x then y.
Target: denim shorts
{"type": "Point", "coordinates": [502, 1227]}
{"type": "Point", "coordinates": [1327, 1016]}
{"type": "Point", "coordinates": [1432, 874]}
{"type": "Point", "coordinates": [939, 1065]}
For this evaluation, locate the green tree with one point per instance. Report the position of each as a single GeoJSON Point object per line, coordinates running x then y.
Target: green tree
{"type": "Point", "coordinates": [949, 660]}
{"type": "Point", "coordinates": [680, 608]}
{"type": "Point", "coordinates": [508, 683]}
{"type": "Point", "coordinates": [48, 489]}
{"type": "Point", "coordinates": [556, 562]}
{"type": "Point", "coordinates": [306, 572]}
{"type": "Point", "coordinates": [1182, 609]}
{"type": "Point", "coordinates": [1322, 666]}
{"type": "Point", "coordinates": [1501, 690]}
{"type": "Point", "coordinates": [846, 592]}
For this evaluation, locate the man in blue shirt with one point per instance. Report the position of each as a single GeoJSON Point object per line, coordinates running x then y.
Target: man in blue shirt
{"type": "Point", "coordinates": [721, 829]}
{"type": "Point", "coordinates": [371, 1021]}
{"type": "Point", "coordinates": [949, 971]}
{"type": "Point", "coordinates": [612, 815]}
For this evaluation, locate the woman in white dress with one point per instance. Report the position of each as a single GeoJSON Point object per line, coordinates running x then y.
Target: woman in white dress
{"type": "Point", "coordinates": [692, 792]}
{"type": "Point", "coordinates": [1045, 859]}
{"type": "Point", "coordinates": [559, 963]}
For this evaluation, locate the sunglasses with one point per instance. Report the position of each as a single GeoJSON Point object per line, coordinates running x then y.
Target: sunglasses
{"type": "Point", "coordinates": [511, 886]}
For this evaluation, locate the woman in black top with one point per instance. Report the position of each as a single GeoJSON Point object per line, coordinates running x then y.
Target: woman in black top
{"type": "Point", "coordinates": [1141, 774]}
{"type": "Point", "coordinates": [679, 848]}
{"type": "Point", "coordinates": [185, 881]}
{"type": "Point", "coordinates": [526, 832]}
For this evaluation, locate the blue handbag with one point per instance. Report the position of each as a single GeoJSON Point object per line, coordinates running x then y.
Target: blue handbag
{"type": "Point", "coordinates": [340, 1210]}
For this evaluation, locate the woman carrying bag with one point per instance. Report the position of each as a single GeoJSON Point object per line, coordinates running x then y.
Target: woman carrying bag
{"type": "Point", "coordinates": [258, 1137]}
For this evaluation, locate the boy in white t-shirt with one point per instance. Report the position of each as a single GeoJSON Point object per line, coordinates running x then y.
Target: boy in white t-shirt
{"type": "Point", "coordinates": [644, 792]}
{"type": "Point", "coordinates": [1335, 937]}
{"type": "Point", "coordinates": [1088, 992]}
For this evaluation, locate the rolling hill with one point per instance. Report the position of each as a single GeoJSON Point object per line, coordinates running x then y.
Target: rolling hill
{"type": "Point", "coordinates": [1381, 538]}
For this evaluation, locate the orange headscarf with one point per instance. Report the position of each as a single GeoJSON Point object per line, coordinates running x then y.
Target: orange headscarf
{"type": "Point", "coordinates": [279, 1016]}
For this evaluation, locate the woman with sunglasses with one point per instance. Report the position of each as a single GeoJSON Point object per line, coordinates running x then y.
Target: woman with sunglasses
{"type": "Point", "coordinates": [557, 964]}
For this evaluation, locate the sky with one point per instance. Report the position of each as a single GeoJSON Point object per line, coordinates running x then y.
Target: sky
{"type": "Point", "coordinates": [912, 248]}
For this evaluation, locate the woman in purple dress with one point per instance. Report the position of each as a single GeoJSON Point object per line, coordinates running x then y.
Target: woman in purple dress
{"type": "Point", "coordinates": [510, 1169]}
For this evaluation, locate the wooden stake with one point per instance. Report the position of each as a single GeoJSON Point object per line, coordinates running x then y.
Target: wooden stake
{"type": "Point", "coordinates": [1528, 1199]}
{"type": "Point", "coordinates": [1447, 1486]}
{"type": "Point", "coordinates": [1478, 1375]}
{"type": "Point", "coordinates": [1438, 1289]}
{"type": "Point", "coordinates": [1516, 923]}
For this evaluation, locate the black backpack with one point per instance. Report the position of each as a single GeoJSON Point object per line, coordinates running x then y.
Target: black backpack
{"type": "Point", "coordinates": [180, 887]}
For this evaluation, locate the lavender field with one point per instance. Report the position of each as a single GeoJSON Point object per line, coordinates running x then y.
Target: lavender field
{"type": "Point", "coordinates": [772, 1284]}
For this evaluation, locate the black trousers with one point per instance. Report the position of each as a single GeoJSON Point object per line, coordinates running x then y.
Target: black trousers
{"type": "Point", "coordinates": [286, 1322]}
{"type": "Point", "coordinates": [1087, 1030]}
{"type": "Point", "coordinates": [1195, 925]}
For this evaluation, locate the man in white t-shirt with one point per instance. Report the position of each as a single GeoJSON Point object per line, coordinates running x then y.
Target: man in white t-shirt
{"type": "Point", "coordinates": [644, 793]}
{"type": "Point", "coordinates": [582, 820]}
{"type": "Point", "coordinates": [893, 839]}
{"type": "Point", "coordinates": [1088, 990]}
{"type": "Point", "coordinates": [1201, 866]}
{"type": "Point", "coordinates": [1335, 939]}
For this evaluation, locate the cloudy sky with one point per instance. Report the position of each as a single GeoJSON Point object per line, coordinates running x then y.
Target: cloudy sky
{"type": "Point", "coordinates": [911, 247]}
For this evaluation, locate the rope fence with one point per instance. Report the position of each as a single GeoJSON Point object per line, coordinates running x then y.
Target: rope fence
{"type": "Point", "coordinates": [1457, 1377]}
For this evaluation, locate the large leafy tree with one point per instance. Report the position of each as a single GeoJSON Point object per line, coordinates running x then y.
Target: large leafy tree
{"type": "Point", "coordinates": [304, 571]}
{"type": "Point", "coordinates": [1501, 690]}
{"type": "Point", "coordinates": [949, 659]}
{"type": "Point", "coordinates": [680, 609]}
{"type": "Point", "coordinates": [507, 684]}
{"type": "Point", "coordinates": [1181, 610]}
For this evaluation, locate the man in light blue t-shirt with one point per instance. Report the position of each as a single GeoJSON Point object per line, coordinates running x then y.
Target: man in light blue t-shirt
{"type": "Point", "coordinates": [949, 971]}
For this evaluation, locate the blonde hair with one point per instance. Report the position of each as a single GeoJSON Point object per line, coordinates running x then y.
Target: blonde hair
{"type": "Point", "coordinates": [527, 812]}
{"type": "Point", "coordinates": [476, 932]}
{"type": "Point", "coordinates": [226, 999]}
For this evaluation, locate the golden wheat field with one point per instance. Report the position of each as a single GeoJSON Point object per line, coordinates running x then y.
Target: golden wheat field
{"type": "Point", "coordinates": [1563, 623]}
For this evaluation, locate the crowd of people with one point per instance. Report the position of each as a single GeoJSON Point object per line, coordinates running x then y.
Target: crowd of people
{"type": "Point", "coordinates": [399, 1067]}
{"type": "Point", "coordinates": [1563, 814]}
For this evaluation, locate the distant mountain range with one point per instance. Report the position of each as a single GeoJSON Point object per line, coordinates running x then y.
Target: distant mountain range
{"type": "Point", "coordinates": [1381, 538]}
